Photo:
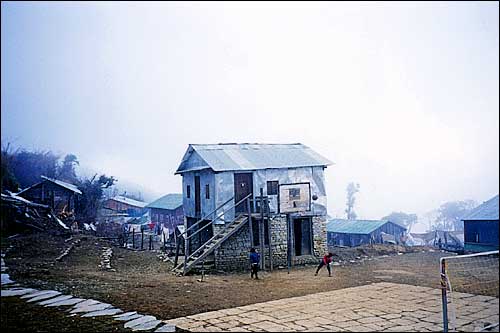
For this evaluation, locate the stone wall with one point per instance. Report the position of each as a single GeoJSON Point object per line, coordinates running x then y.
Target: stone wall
{"type": "Point", "coordinates": [320, 246]}
{"type": "Point", "coordinates": [234, 252]}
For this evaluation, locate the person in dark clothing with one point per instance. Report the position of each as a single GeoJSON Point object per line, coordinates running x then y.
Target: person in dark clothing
{"type": "Point", "coordinates": [326, 261]}
{"type": "Point", "coordinates": [254, 263]}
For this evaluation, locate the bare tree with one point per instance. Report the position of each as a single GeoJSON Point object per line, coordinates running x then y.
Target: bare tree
{"type": "Point", "coordinates": [450, 214]}
{"type": "Point", "coordinates": [403, 219]}
{"type": "Point", "coordinates": [352, 189]}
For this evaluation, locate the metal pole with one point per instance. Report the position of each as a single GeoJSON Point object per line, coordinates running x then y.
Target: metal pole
{"type": "Point", "coordinates": [249, 212]}
{"type": "Point", "coordinates": [444, 299]}
{"type": "Point", "coordinates": [261, 229]}
{"type": "Point", "coordinates": [133, 238]}
{"type": "Point", "coordinates": [142, 239]}
{"type": "Point", "coordinates": [150, 242]}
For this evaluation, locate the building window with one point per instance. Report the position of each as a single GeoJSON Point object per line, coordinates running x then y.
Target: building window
{"type": "Point", "coordinates": [272, 187]}
{"type": "Point", "coordinates": [207, 191]}
{"type": "Point", "coordinates": [188, 192]}
{"type": "Point", "coordinates": [294, 194]}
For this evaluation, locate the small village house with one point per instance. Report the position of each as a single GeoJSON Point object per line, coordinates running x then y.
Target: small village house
{"type": "Point", "coordinates": [54, 193]}
{"type": "Point", "coordinates": [167, 212]}
{"type": "Point", "coordinates": [481, 227]}
{"type": "Point", "coordinates": [123, 205]}
{"type": "Point", "coordinates": [221, 185]}
{"type": "Point", "coordinates": [358, 232]}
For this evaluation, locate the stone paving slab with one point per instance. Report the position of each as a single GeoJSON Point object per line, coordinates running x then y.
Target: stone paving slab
{"type": "Point", "coordinates": [105, 312]}
{"type": "Point", "coordinates": [36, 293]}
{"type": "Point", "coordinates": [88, 302]}
{"type": "Point", "coordinates": [16, 292]}
{"type": "Point", "coordinates": [146, 326]}
{"type": "Point", "coordinates": [376, 307]}
{"type": "Point", "coordinates": [139, 321]}
{"type": "Point", "coordinates": [128, 318]}
{"type": "Point", "coordinates": [50, 294]}
{"type": "Point", "coordinates": [91, 308]}
{"type": "Point", "coordinates": [67, 302]}
{"type": "Point", "coordinates": [126, 314]}
{"type": "Point", "coordinates": [5, 279]}
{"type": "Point", "coordinates": [56, 299]}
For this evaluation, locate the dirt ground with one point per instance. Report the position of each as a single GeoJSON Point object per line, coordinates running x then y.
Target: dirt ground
{"type": "Point", "coordinates": [145, 284]}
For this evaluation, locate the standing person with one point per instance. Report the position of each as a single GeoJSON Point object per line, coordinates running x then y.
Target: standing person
{"type": "Point", "coordinates": [327, 259]}
{"type": "Point", "coordinates": [254, 263]}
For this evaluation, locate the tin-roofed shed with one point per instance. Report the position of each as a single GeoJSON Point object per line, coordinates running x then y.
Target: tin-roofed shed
{"type": "Point", "coordinates": [357, 232]}
{"type": "Point", "coordinates": [122, 204]}
{"type": "Point", "coordinates": [481, 227]}
{"type": "Point", "coordinates": [167, 212]}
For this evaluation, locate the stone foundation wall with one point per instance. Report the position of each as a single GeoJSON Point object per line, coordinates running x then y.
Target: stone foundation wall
{"type": "Point", "coordinates": [234, 253]}
{"type": "Point", "coordinates": [320, 247]}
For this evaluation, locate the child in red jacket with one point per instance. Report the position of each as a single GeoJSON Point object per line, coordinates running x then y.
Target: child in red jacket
{"type": "Point", "coordinates": [327, 259]}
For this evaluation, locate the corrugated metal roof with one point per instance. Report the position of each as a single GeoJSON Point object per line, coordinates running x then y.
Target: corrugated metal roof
{"type": "Point", "coordinates": [128, 201]}
{"type": "Point", "coordinates": [170, 201]}
{"type": "Point", "coordinates": [250, 156]}
{"type": "Point", "coordinates": [355, 226]}
{"type": "Point", "coordinates": [68, 186]}
{"type": "Point", "coordinates": [488, 210]}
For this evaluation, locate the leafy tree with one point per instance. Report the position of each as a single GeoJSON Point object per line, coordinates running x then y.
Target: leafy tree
{"type": "Point", "coordinates": [28, 166]}
{"type": "Point", "coordinates": [92, 193]}
{"type": "Point", "coordinates": [352, 189]}
{"type": "Point", "coordinates": [406, 220]}
{"type": "Point", "coordinates": [67, 170]}
{"type": "Point", "coordinates": [8, 180]}
{"type": "Point", "coordinates": [450, 213]}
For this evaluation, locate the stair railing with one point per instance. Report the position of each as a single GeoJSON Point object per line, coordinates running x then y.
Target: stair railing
{"type": "Point", "coordinates": [188, 256]}
{"type": "Point", "coordinates": [206, 216]}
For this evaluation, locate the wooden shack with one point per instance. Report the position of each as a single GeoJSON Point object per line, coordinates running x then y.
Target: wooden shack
{"type": "Point", "coordinates": [358, 232]}
{"type": "Point", "coordinates": [222, 186]}
{"type": "Point", "coordinates": [54, 193]}
{"type": "Point", "coordinates": [124, 205]}
{"type": "Point", "coordinates": [481, 227]}
{"type": "Point", "coordinates": [167, 212]}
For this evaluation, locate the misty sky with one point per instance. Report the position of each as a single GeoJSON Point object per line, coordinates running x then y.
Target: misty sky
{"type": "Point", "coordinates": [402, 97]}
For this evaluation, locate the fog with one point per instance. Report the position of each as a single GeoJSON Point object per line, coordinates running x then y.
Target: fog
{"type": "Point", "coordinates": [402, 97]}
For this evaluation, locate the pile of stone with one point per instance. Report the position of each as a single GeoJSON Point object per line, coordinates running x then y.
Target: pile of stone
{"type": "Point", "coordinates": [164, 257]}
{"type": "Point", "coordinates": [106, 258]}
{"type": "Point", "coordinates": [66, 252]}
{"type": "Point", "coordinates": [5, 278]}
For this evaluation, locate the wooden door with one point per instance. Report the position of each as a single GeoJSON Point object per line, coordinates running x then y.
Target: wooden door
{"type": "Point", "coordinates": [197, 196]}
{"type": "Point", "coordinates": [243, 186]}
